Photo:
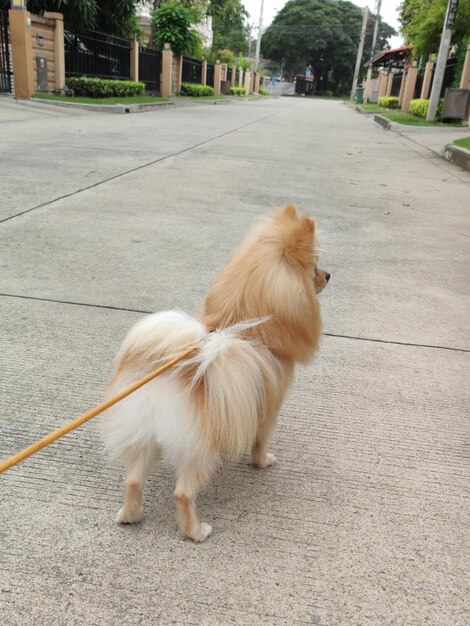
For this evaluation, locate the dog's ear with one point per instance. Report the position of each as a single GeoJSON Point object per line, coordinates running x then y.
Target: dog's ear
{"type": "Point", "coordinates": [298, 242]}
{"type": "Point", "coordinates": [290, 210]}
{"type": "Point", "coordinates": [307, 225]}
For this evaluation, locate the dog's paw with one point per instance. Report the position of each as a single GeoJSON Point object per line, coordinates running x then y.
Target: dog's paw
{"type": "Point", "coordinates": [267, 461]}
{"type": "Point", "coordinates": [204, 531]}
{"type": "Point", "coordinates": [124, 517]}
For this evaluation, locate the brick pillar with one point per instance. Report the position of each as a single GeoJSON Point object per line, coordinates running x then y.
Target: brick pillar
{"type": "Point", "coordinates": [217, 77]}
{"type": "Point", "coordinates": [404, 78]}
{"type": "Point", "coordinates": [22, 52]}
{"type": "Point", "coordinates": [59, 52]}
{"type": "Point", "coordinates": [388, 91]}
{"type": "Point", "coordinates": [465, 78]}
{"type": "Point", "coordinates": [204, 72]}
{"type": "Point", "coordinates": [409, 89]}
{"type": "Point", "coordinates": [178, 77]}
{"type": "Point", "coordinates": [247, 81]}
{"type": "Point", "coordinates": [234, 74]}
{"type": "Point", "coordinates": [382, 85]}
{"type": "Point", "coordinates": [134, 57]}
{"type": "Point", "coordinates": [167, 71]}
{"type": "Point", "coordinates": [426, 87]}
{"type": "Point", "coordinates": [240, 77]}
{"type": "Point", "coordinates": [256, 89]}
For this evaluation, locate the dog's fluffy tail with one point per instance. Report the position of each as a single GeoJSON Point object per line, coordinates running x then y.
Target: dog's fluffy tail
{"type": "Point", "coordinates": [224, 381]}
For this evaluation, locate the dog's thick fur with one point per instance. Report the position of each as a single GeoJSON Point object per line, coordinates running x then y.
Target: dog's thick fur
{"type": "Point", "coordinates": [260, 318]}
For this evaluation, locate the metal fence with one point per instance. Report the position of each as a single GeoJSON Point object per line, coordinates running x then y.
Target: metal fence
{"type": "Point", "coordinates": [97, 54]}
{"type": "Point", "coordinates": [5, 68]}
{"type": "Point", "coordinates": [150, 67]}
{"type": "Point", "coordinates": [229, 74]}
{"type": "Point", "coordinates": [396, 84]}
{"type": "Point", "coordinates": [192, 71]}
{"type": "Point", "coordinates": [210, 75]}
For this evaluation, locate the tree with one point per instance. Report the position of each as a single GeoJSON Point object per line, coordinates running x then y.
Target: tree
{"type": "Point", "coordinates": [422, 21]}
{"type": "Point", "coordinates": [173, 23]}
{"type": "Point", "coordinates": [230, 30]}
{"type": "Point", "coordinates": [323, 34]}
{"type": "Point", "coordinates": [115, 17]}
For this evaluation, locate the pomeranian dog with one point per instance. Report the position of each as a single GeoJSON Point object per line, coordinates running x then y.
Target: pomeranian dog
{"type": "Point", "coordinates": [260, 317]}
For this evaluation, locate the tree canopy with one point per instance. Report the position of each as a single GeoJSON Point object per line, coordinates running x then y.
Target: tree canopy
{"type": "Point", "coordinates": [422, 21]}
{"type": "Point", "coordinates": [323, 34]}
{"type": "Point", "coordinates": [230, 30]}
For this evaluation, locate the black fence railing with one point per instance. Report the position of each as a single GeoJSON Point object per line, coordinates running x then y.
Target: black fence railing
{"type": "Point", "coordinates": [210, 75]}
{"type": "Point", "coordinates": [229, 74]}
{"type": "Point", "coordinates": [192, 71]}
{"type": "Point", "coordinates": [5, 69]}
{"type": "Point", "coordinates": [97, 54]}
{"type": "Point", "coordinates": [150, 67]}
{"type": "Point", "coordinates": [396, 84]}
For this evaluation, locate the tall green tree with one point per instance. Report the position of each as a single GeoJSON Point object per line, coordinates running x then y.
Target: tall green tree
{"type": "Point", "coordinates": [422, 21]}
{"type": "Point", "coordinates": [323, 34]}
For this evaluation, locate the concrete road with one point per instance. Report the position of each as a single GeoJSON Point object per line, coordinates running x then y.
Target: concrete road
{"type": "Point", "coordinates": [363, 520]}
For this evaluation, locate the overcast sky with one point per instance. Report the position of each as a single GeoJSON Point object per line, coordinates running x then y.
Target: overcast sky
{"type": "Point", "coordinates": [389, 12]}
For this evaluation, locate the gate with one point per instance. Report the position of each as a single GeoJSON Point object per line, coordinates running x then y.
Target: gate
{"type": "Point", "coordinates": [5, 68]}
{"type": "Point", "coordinates": [396, 84]}
{"type": "Point", "coordinates": [150, 64]}
{"type": "Point", "coordinates": [210, 75]}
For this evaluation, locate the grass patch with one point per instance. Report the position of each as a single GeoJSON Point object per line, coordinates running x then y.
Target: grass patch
{"type": "Point", "coordinates": [463, 143]}
{"type": "Point", "coordinates": [84, 100]}
{"type": "Point", "coordinates": [411, 120]}
{"type": "Point", "coordinates": [370, 107]}
{"type": "Point", "coordinates": [200, 98]}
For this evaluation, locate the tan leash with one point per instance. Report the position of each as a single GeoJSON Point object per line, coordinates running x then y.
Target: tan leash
{"type": "Point", "coordinates": [63, 430]}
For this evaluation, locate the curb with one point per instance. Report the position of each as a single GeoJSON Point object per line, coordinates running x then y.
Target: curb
{"type": "Point", "coordinates": [457, 155]}
{"type": "Point", "coordinates": [383, 121]}
{"type": "Point", "coordinates": [106, 108]}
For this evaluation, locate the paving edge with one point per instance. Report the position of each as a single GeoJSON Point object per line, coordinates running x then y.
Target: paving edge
{"type": "Point", "coordinates": [457, 155]}
{"type": "Point", "coordinates": [106, 108]}
{"type": "Point", "coordinates": [383, 121]}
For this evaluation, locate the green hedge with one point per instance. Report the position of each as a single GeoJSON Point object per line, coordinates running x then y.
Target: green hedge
{"type": "Point", "coordinates": [237, 91]}
{"type": "Point", "coordinates": [389, 102]}
{"type": "Point", "coordinates": [263, 92]}
{"type": "Point", "coordinates": [419, 107]}
{"type": "Point", "coordinates": [101, 88]}
{"type": "Point", "coordinates": [188, 89]}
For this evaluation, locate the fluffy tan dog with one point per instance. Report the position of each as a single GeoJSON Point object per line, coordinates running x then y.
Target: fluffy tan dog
{"type": "Point", "coordinates": [260, 317]}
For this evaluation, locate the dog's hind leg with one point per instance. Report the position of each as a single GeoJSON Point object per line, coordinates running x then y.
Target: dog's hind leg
{"type": "Point", "coordinates": [259, 454]}
{"type": "Point", "coordinates": [139, 462]}
{"type": "Point", "coordinates": [189, 482]}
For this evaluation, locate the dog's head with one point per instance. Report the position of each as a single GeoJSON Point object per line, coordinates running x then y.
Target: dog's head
{"type": "Point", "coordinates": [274, 273]}
{"type": "Point", "coordinates": [297, 242]}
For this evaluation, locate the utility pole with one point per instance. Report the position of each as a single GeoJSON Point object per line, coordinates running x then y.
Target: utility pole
{"type": "Point", "coordinates": [365, 15]}
{"type": "Point", "coordinates": [372, 52]}
{"type": "Point", "coordinates": [442, 59]}
{"type": "Point", "coordinates": [258, 41]}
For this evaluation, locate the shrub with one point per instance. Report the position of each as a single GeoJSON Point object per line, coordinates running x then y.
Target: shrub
{"type": "Point", "coordinates": [189, 89]}
{"type": "Point", "coordinates": [102, 88]}
{"type": "Point", "coordinates": [263, 92]}
{"type": "Point", "coordinates": [419, 107]}
{"type": "Point", "coordinates": [237, 91]}
{"type": "Point", "coordinates": [389, 102]}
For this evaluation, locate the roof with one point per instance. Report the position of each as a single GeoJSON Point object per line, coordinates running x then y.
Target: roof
{"type": "Point", "coordinates": [396, 55]}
